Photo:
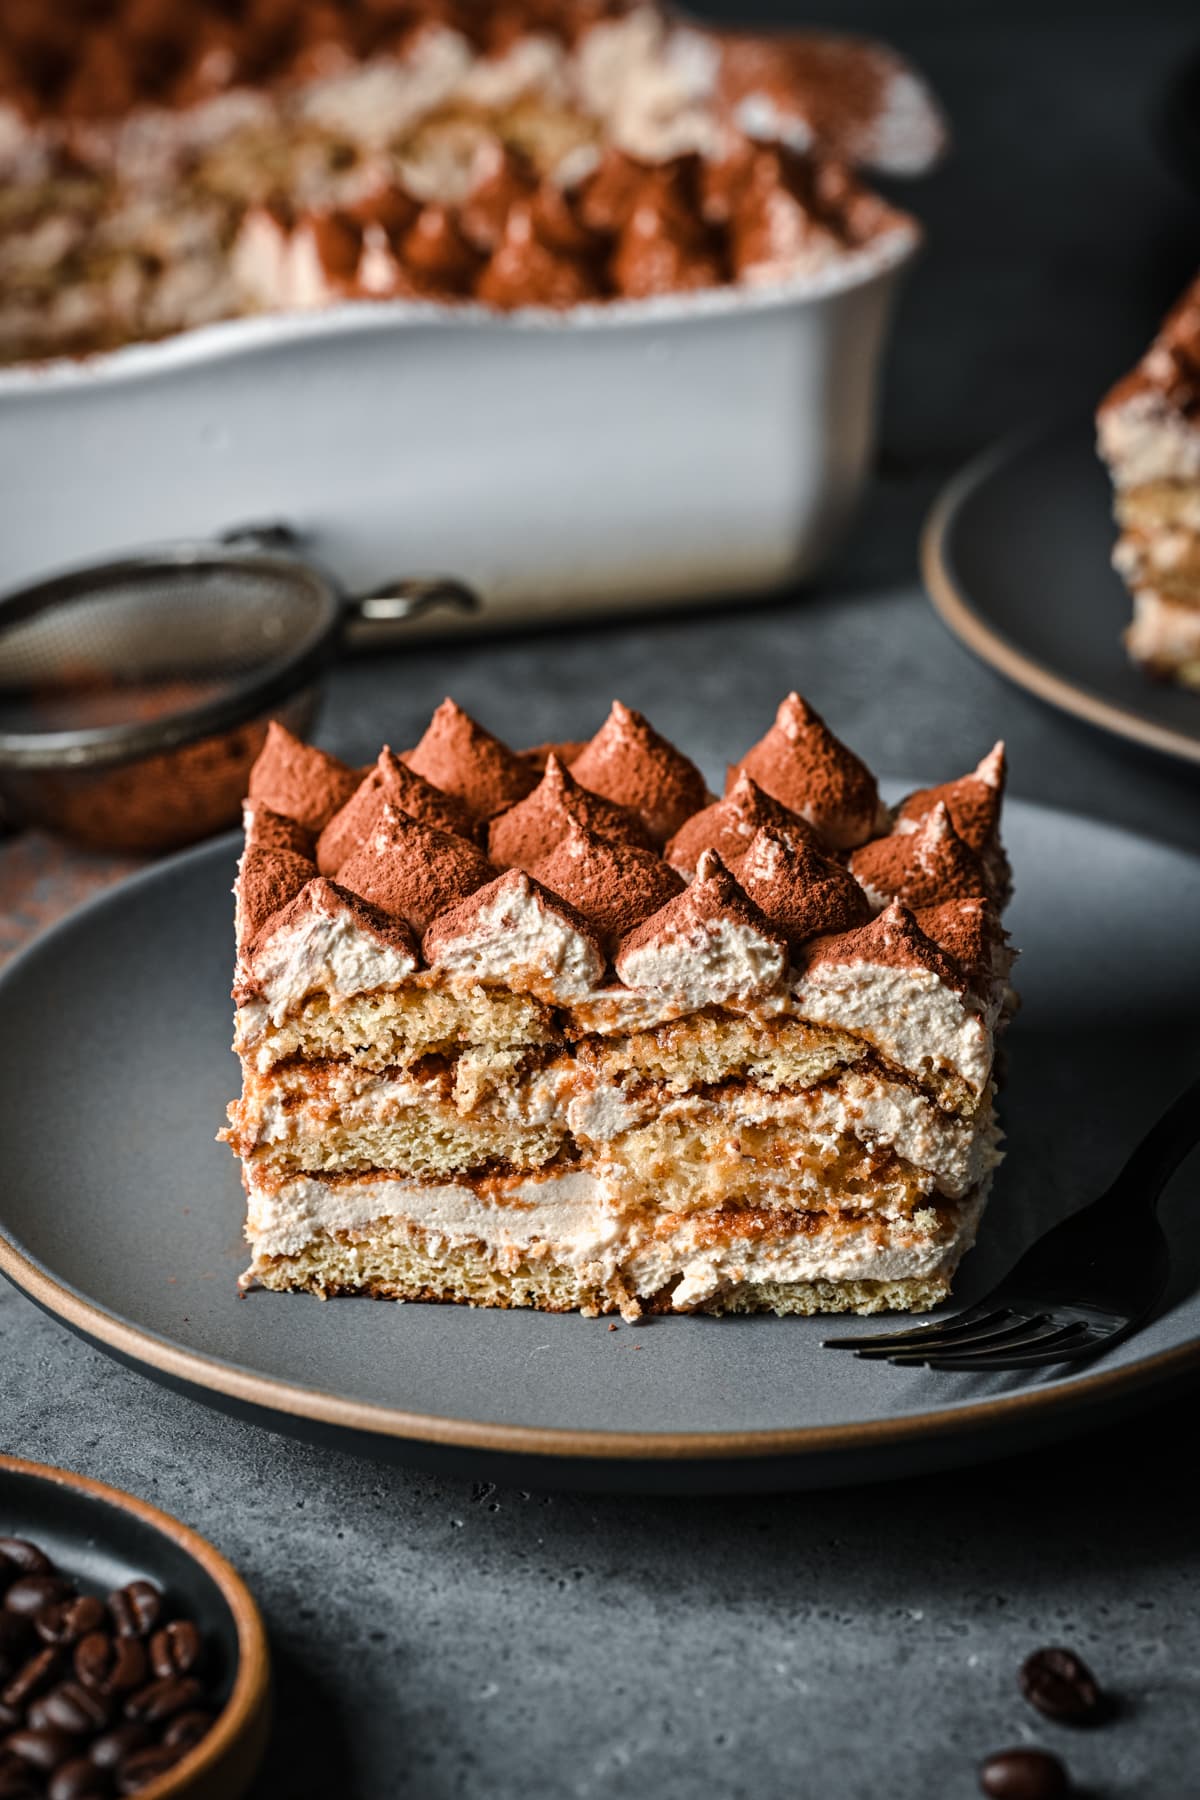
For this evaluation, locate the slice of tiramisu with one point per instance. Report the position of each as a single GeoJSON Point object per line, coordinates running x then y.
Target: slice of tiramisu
{"type": "Point", "coordinates": [1149, 435]}
{"type": "Point", "coordinates": [564, 1030]}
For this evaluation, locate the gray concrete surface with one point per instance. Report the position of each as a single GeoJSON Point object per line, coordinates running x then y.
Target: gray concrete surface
{"type": "Point", "coordinates": [439, 1639]}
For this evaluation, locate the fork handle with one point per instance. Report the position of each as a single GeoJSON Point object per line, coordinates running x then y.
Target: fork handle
{"type": "Point", "coordinates": [1161, 1151]}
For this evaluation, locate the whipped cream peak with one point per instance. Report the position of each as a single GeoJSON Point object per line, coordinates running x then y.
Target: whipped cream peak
{"type": "Point", "coordinates": [803, 892]}
{"type": "Point", "coordinates": [970, 932]}
{"type": "Point", "coordinates": [615, 886]}
{"type": "Point", "coordinates": [973, 802]}
{"type": "Point", "coordinates": [922, 866]}
{"type": "Point", "coordinates": [412, 871]}
{"type": "Point", "coordinates": [325, 940]}
{"type": "Point", "coordinates": [992, 769]}
{"type": "Point", "coordinates": [526, 271]}
{"type": "Point", "coordinates": [388, 782]}
{"type": "Point", "coordinates": [267, 879]}
{"type": "Point", "coordinates": [517, 933]}
{"type": "Point", "coordinates": [806, 768]}
{"type": "Point", "coordinates": [266, 829]}
{"type": "Point", "coordinates": [892, 940]}
{"type": "Point", "coordinates": [457, 755]}
{"type": "Point", "coordinates": [707, 946]}
{"type": "Point", "coordinates": [300, 781]}
{"type": "Point", "coordinates": [529, 830]}
{"type": "Point", "coordinates": [728, 825]}
{"type": "Point", "coordinates": [632, 764]}
{"type": "Point", "coordinates": [892, 986]}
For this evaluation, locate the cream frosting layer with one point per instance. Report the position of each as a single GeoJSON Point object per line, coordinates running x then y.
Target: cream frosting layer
{"type": "Point", "coordinates": [910, 1016]}
{"type": "Point", "coordinates": [327, 951]}
{"type": "Point", "coordinates": [572, 1220]}
{"type": "Point", "coordinates": [1144, 438]}
{"type": "Point", "coordinates": [863, 1108]}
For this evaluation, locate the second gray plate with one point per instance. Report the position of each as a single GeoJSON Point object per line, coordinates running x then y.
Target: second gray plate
{"type": "Point", "coordinates": [1016, 557]}
{"type": "Point", "coordinates": [122, 1216]}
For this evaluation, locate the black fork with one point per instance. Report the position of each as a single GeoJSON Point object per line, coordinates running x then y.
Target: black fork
{"type": "Point", "coordinates": [1083, 1287]}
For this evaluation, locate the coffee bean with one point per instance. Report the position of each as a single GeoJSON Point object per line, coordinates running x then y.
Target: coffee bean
{"type": "Point", "coordinates": [67, 1660]}
{"type": "Point", "coordinates": [110, 1665]}
{"type": "Point", "coordinates": [35, 1675]}
{"type": "Point", "coordinates": [17, 1780]}
{"type": "Point", "coordinates": [25, 1557]}
{"type": "Point", "coordinates": [1061, 1686]}
{"type": "Point", "coordinates": [71, 1707]}
{"type": "Point", "coordinates": [42, 1750]}
{"type": "Point", "coordinates": [70, 1620]}
{"type": "Point", "coordinates": [78, 1780]}
{"type": "Point", "coordinates": [15, 1636]}
{"type": "Point", "coordinates": [186, 1729]}
{"type": "Point", "coordinates": [144, 1767]}
{"type": "Point", "coordinates": [1024, 1775]}
{"type": "Point", "coordinates": [110, 1749]}
{"type": "Point", "coordinates": [135, 1609]}
{"type": "Point", "coordinates": [163, 1699]}
{"type": "Point", "coordinates": [30, 1593]}
{"type": "Point", "coordinates": [175, 1650]}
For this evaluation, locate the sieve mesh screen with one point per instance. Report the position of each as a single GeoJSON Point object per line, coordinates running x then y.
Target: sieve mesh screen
{"type": "Point", "coordinates": [133, 644]}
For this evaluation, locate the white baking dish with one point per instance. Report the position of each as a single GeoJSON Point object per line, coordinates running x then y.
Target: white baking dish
{"type": "Point", "coordinates": [607, 458]}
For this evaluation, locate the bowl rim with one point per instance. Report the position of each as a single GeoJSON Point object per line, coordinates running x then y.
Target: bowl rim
{"type": "Point", "coordinates": [225, 339]}
{"type": "Point", "coordinates": [240, 1728]}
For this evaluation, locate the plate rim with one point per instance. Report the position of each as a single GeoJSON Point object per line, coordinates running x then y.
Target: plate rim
{"type": "Point", "coordinates": [971, 627]}
{"type": "Point", "coordinates": [553, 1444]}
{"type": "Point", "coordinates": [233, 1748]}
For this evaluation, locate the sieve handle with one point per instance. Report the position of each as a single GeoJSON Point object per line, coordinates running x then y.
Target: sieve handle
{"type": "Point", "coordinates": [396, 602]}
{"type": "Point", "coordinates": [391, 603]}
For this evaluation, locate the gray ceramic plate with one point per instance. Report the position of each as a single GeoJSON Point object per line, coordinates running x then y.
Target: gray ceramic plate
{"type": "Point", "coordinates": [121, 1215]}
{"type": "Point", "coordinates": [1016, 558]}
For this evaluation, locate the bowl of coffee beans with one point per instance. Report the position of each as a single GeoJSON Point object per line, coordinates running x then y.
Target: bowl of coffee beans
{"type": "Point", "coordinates": [133, 1659]}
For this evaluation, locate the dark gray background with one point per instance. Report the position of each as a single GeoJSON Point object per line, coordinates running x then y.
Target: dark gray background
{"type": "Point", "coordinates": [436, 1639]}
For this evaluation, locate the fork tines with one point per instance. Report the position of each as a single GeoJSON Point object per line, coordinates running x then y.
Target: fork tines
{"type": "Point", "coordinates": [981, 1339]}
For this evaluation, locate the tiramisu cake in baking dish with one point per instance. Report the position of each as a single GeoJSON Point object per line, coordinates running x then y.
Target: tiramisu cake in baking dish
{"type": "Point", "coordinates": [1149, 435]}
{"type": "Point", "coordinates": [166, 163]}
{"type": "Point", "coordinates": [562, 1029]}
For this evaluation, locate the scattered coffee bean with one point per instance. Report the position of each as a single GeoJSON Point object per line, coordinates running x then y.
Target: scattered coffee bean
{"type": "Point", "coordinates": [1024, 1775]}
{"type": "Point", "coordinates": [68, 1661]}
{"type": "Point", "coordinates": [36, 1674]}
{"type": "Point", "coordinates": [15, 1636]}
{"type": "Point", "coordinates": [163, 1699]}
{"type": "Point", "coordinates": [135, 1609]}
{"type": "Point", "coordinates": [175, 1649]}
{"type": "Point", "coordinates": [25, 1557]}
{"type": "Point", "coordinates": [17, 1781]}
{"type": "Point", "coordinates": [139, 1770]}
{"type": "Point", "coordinates": [112, 1747]}
{"type": "Point", "coordinates": [110, 1665]}
{"type": "Point", "coordinates": [78, 1779]}
{"type": "Point", "coordinates": [30, 1593]}
{"type": "Point", "coordinates": [43, 1749]}
{"type": "Point", "coordinates": [71, 1707]}
{"type": "Point", "coordinates": [186, 1729]}
{"type": "Point", "coordinates": [70, 1620]}
{"type": "Point", "coordinates": [1062, 1687]}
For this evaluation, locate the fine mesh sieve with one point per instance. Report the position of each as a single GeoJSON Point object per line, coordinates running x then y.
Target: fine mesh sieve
{"type": "Point", "coordinates": [135, 694]}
